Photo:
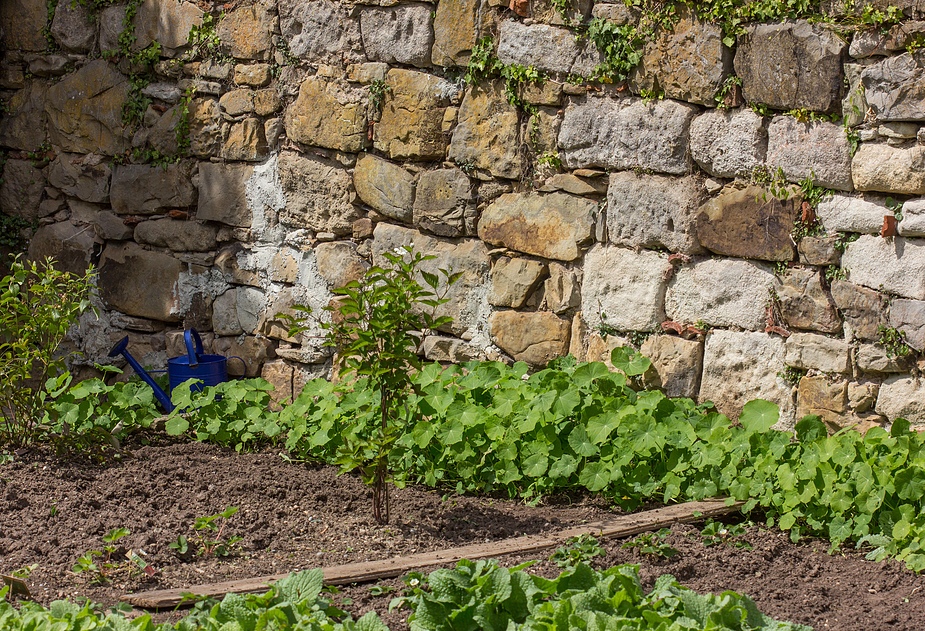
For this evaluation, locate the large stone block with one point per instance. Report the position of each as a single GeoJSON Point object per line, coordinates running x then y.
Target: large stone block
{"type": "Point", "coordinates": [864, 309]}
{"type": "Point", "coordinates": [654, 211]}
{"type": "Point", "coordinates": [179, 236]}
{"type": "Point", "coordinates": [238, 310]}
{"type": "Point", "coordinates": [624, 289]}
{"type": "Point", "coordinates": [791, 65]}
{"type": "Point", "coordinates": [386, 187]}
{"type": "Point", "coordinates": [676, 365]}
{"type": "Point", "coordinates": [223, 193]}
{"type": "Point", "coordinates": [73, 27]}
{"type": "Point", "coordinates": [401, 34]}
{"type": "Point", "coordinates": [69, 244]}
{"type": "Point", "coordinates": [874, 358]}
{"type": "Point", "coordinates": [443, 203]}
{"type": "Point", "coordinates": [804, 303]}
{"type": "Point", "coordinates": [545, 47]}
{"type": "Point", "coordinates": [21, 22]}
{"type": "Point", "coordinates": [623, 133]}
{"type": "Point", "coordinates": [84, 177]}
{"type": "Point", "coordinates": [895, 88]}
{"type": "Point", "coordinates": [167, 22]}
{"type": "Point", "coordinates": [487, 132]}
{"type": "Point", "coordinates": [913, 223]}
{"type": "Point", "coordinates": [455, 28]}
{"type": "Point", "coordinates": [139, 189]}
{"type": "Point", "coordinates": [562, 290]}
{"type": "Point", "coordinates": [720, 292]}
{"type": "Point", "coordinates": [247, 32]}
{"type": "Point", "coordinates": [848, 213]}
{"type": "Point", "coordinates": [880, 167]}
{"type": "Point", "coordinates": [205, 127]}
{"type": "Point", "coordinates": [411, 125]}
{"type": "Point", "coordinates": [536, 338]}
{"type": "Point", "coordinates": [824, 398]}
{"type": "Point", "coordinates": [740, 367]}
{"type": "Point", "coordinates": [328, 115]}
{"type": "Point", "coordinates": [319, 194]}
{"type": "Point", "coordinates": [553, 226]}
{"type": "Point", "coordinates": [84, 110]}
{"type": "Point", "coordinates": [816, 149]}
{"type": "Point", "coordinates": [320, 30]}
{"type": "Point", "coordinates": [903, 397]}
{"type": "Point", "coordinates": [729, 143]}
{"type": "Point", "coordinates": [909, 317]}
{"type": "Point", "coordinates": [894, 265]}
{"type": "Point", "coordinates": [140, 282]}
{"type": "Point", "coordinates": [23, 125]}
{"type": "Point", "coordinates": [339, 263]}
{"type": "Point", "coordinates": [809, 351]}
{"type": "Point", "coordinates": [21, 190]}
{"type": "Point", "coordinates": [748, 223]}
{"type": "Point", "coordinates": [513, 280]}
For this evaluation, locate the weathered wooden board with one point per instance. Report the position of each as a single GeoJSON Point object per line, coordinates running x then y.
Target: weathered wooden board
{"type": "Point", "coordinates": [621, 526]}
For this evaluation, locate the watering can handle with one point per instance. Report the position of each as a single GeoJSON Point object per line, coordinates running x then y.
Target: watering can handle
{"type": "Point", "coordinates": [188, 336]}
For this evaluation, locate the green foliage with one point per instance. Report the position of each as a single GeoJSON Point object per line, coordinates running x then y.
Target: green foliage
{"type": "Point", "coordinates": [210, 537]}
{"type": "Point", "coordinates": [652, 544]}
{"type": "Point", "coordinates": [893, 342]}
{"type": "Point", "coordinates": [483, 64]}
{"type": "Point", "coordinates": [11, 231]}
{"type": "Point", "coordinates": [580, 549]}
{"type": "Point", "coordinates": [834, 272]}
{"type": "Point", "coordinates": [204, 39]}
{"type": "Point", "coordinates": [38, 304]}
{"type": "Point", "coordinates": [717, 533]}
{"type": "Point", "coordinates": [621, 46]}
{"type": "Point", "coordinates": [730, 84]}
{"type": "Point", "coordinates": [843, 239]}
{"type": "Point", "coordinates": [792, 375]}
{"type": "Point", "coordinates": [100, 565]}
{"type": "Point", "coordinates": [377, 91]}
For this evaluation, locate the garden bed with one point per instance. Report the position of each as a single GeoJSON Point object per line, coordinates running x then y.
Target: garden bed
{"type": "Point", "coordinates": [293, 516]}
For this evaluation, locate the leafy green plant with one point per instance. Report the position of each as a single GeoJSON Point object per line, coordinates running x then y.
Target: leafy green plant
{"type": "Point", "coordinates": [893, 342]}
{"type": "Point", "coordinates": [580, 549]}
{"type": "Point", "coordinates": [210, 538]}
{"type": "Point", "coordinates": [792, 375]}
{"type": "Point", "coordinates": [717, 533]}
{"type": "Point", "coordinates": [843, 239]}
{"type": "Point", "coordinates": [11, 231]}
{"type": "Point", "coordinates": [834, 272]}
{"type": "Point", "coordinates": [652, 544]}
{"type": "Point", "coordinates": [621, 46]}
{"type": "Point", "coordinates": [378, 89]}
{"type": "Point", "coordinates": [101, 565]}
{"type": "Point", "coordinates": [204, 40]}
{"type": "Point", "coordinates": [725, 93]}
{"type": "Point", "coordinates": [483, 63]}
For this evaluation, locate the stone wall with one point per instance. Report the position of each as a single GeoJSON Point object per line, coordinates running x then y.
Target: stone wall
{"type": "Point", "coordinates": [315, 135]}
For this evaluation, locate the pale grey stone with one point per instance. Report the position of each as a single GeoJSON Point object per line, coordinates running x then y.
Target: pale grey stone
{"type": "Point", "coordinates": [864, 309]}
{"type": "Point", "coordinates": [854, 105]}
{"type": "Point", "coordinates": [903, 397]}
{"type": "Point", "coordinates": [402, 34]}
{"type": "Point", "coordinates": [894, 265]}
{"type": "Point", "coordinates": [909, 317]}
{"type": "Point", "coordinates": [809, 351]}
{"type": "Point", "coordinates": [223, 194]}
{"type": "Point", "coordinates": [85, 177]}
{"type": "Point", "coordinates": [816, 150]}
{"type": "Point", "coordinates": [179, 236]}
{"type": "Point", "coordinates": [561, 291]}
{"type": "Point", "coordinates": [548, 48]}
{"type": "Point", "coordinates": [880, 167]}
{"type": "Point", "coordinates": [71, 246]}
{"type": "Point", "coordinates": [225, 314]}
{"type": "Point", "coordinates": [167, 92]}
{"type": "Point", "coordinates": [720, 292]}
{"type": "Point", "coordinates": [900, 130]}
{"type": "Point", "coordinates": [438, 348]}
{"type": "Point", "coordinates": [167, 22]}
{"type": "Point", "coordinates": [848, 213]}
{"type": "Point", "coordinates": [442, 201]}
{"type": "Point", "coordinates": [110, 227]}
{"type": "Point", "coordinates": [386, 187]}
{"type": "Point", "coordinates": [319, 194]}
{"type": "Point", "coordinates": [512, 281]}
{"type": "Point", "coordinates": [874, 358]}
{"type": "Point", "coordinates": [73, 27]}
{"type": "Point", "coordinates": [895, 88]}
{"type": "Point", "coordinates": [913, 223]}
{"type": "Point", "coordinates": [624, 289]}
{"type": "Point", "coordinates": [804, 303]}
{"type": "Point", "coordinates": [139, 189]}
{"type": "Point", "coordinates": [319, 30]}
{"type": "Point", "coordinates": [729, 143]}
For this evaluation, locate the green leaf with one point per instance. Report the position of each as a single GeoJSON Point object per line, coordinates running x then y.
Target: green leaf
{"type": "Point", "coordinates": [629, 361]}
{"type": "Point", "coordinates": [759, 416]}
{"type": "Point", "coordinates": [176, 425]}
{"type": "Point", "coordinates": [594, 476]}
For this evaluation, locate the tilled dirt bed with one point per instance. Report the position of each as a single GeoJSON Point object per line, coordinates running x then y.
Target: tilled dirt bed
{"type": "Point", "coordinates": [294, 516]}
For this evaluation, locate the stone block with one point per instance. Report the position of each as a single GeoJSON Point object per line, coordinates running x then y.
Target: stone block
{"type": "Point", "coordinates": [320, 30]}
{"type": "Point", "coordinates": [247, 32]}
{"type": "Point", "coordinates": [319, 194]}
{"type": "Point", "coordinates": [73, 27]}
{"type": "Point", "coordinates": [729, 143]}
{"type": "Point", "coordinates": [824, 398]}
{"type": "Point", "coordinates": [443, 203]}
{"type": "Point", "coordinates": [854, 105]}
{"type": "Point", "coordinates": [881, 167]}
{"type": "Point", "coordinates": [909, 317]}
{"type": "Point", "coordinates": [913, 223]}
{"type": "Point", "coordinates": [849, 213]}
{"type": "Point", "coordinates": [455, 26]}
{"type": "Point", "coordinates": [84, 177]}
{"type": "Point", "coordinates": [179, 236]}
{"type": "Point", "coordinates": [326, 114]}
{"type": "Point", "coordinates": [254, 351]}
{"type": "Point", "coordinates": [552, 226]}
{"type": "Point", "coordinates": [110, 227]}
{"type": "Point", "coordinates": [561, 291]}
{"type": "Point", "coordinates": [339, 263]}
{"type": "Point", "coordinates": [223, 193]}
{"type": "Point", "coordinates": [21, 190]}
{"type": "Point", "coordinates": [279, 374]}
{"type": "Point", "coordinates": [487, 132]}
{"type": "Point", "coordinates": [398, 34]}
{"type": "Point", "coordinates": [411, 125]}
{"type": "Point", "coordinates": [819, 250]}
{"type": "Point", "coordinates": [676, 365]}
{"type": "Point", "coordinates": [816, 150]}
{"type": "Point", "coordinates": [167, 22]}
{"type": "Point", "coordinates": [895, 88]}
{"type": "Point", "coordinates": [139, 189]}
{"type": "Point", "coordinates": [804, 303]}
{"type": "Point", "coordinates": [721, 293]}
{"type": "Point", "coordinates": [535, 338]}
{"type": "Point", "coordinates": [237, 102]}
{"type": "Point", "coordinates": [437, 348]}
{"type": "Point", "coordinates": [386, 187]}
{"type": "Point", "coordinates": [864, 309]}
{"type": "Point", "coordinates": [252, 75]}
{"type": "Point", "coordinates": [513, 280]}
{"type": "Point", "coordinates": [70, 245]}
{"type": "Point", "coordinates": [548, 48]}
{"type": "Point", "coordinates": [21, 22]}
{"type": "Point", "coordinates": [23, 125]}
{"type": "Point", "coordinates": [140, 282]}
{"type": "Point", "coordinates": [205, 125]}
{"type": "Point", "coordinates": [894, 265]}
{"type": "Point", "coordinates": [874, 358]}
{"type": "Point", "coordinates": [809, 351]}
{"type": "Point", "coordinates": [903, 397]}
{"type": "Point", "coordinates": [246, 141]}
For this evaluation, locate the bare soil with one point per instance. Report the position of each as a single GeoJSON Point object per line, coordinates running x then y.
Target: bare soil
{"type": "Point", "coordinates": [294, 516]}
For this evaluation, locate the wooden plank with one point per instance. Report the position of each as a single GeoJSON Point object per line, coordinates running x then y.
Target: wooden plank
{"type": "Point", "coordinates": [621, 526]}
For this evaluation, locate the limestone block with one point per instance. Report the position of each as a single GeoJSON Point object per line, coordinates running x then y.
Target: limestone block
{"type": "Point", "coordinates": [903, 397]}
{"type": "Point", "coordinates": [400, 34]}
{"type": "Point", "coordinates": [849, 213]}
{"type": "Point", "coordinates": [561, 291]}
{"type": "Point", "coordinates": [624, 289]}
{"type": "Point", "coordinates": [84, 110]}
{"type": "Point", "coordinates": [570, 183]}
{"type": "Point", "coordinates": [319, 194]}
{"type": "Point", "coordinates": [179, 236]}
{"type": "Point", "coordinates": [279, 374]}
{"type": "Point", "coordinates": [874, 358]}
{"type": "Point", "coordinates": [487, 132]}
{"type": "Point", "coordinates": [73, 27]}
{"type": "Point", "coordinates": [748, 223]}
{"type": "Point", "coordinates": [552, 226]}
{"type": "Point", "coordinates": [223, 194]}
{"type": "Point", "coordinates": [110, 227]}
{"type": "Point", "coordinates": [246, 141]}
{"type": "Point", "coordinates": [267, 102]}
{"type": "Point", "coordinates": [386, 187]}
{"type": "Point", "coordinates": [236, 265]}
{"type": "Point", "coordinates": [854, 105]}
{"type": "Point", "coordinates": [804, 304]}
{"type": "Point", "coordinates": [623, 133]}
{"type": "Point", "coordinates": [729, 143]}
{"type": "Point", "coordinates": [895, 265]}
{"type": "Point", "coordinates": [468, 298]}
{"type": "Point", "coordinates": [864, 309]}
{"type": "Point", "coordinates": [328, 115]}
{"type": "Point", "coordinates": [167, 22]}
{"type": "Point", "coordinates": [21, 190]}
{"type": "Point", "coordinates": [438, 348]}
{"type": "Point", "coordinates": [654, 211]}
{"type": "Point", "coordinates": [237, 102]}
{"type": "Point", "coordinates": [791, 65]}
{"type": "Point", "coordinates": [140, 282]}
{"type": "Point", "coordinates": [536, 338]}
{"type": "Point", "coordinates": [809, 351]}
{"type": "Point", "coordinates": [139, 189]}
{"type": "Point", "coordinates": [548, 48]}
{"type": "Point", "coordinates": [720, 292]}
{"type": "Point", "coordinates": [824, 398]}
{"type": "Point", "coordinates": [739, 367]}
{"type": "Point", "coordinates": [513, 280]}
{"type": "Point", "coordinates": [412, 116]}
{"type": "Point", "coordinates": [320, 30]}
{"type": "Point", "coordinates": [443, 202]}
{"type": "Point", "coordinates": [913, 223]}
{"type": "Point", "coordinates": [339, 263]}
{"type": "Point", "coordinates": [284, 268]}
{"type": "Point", "coordinates": [49, 65]}
{"type": "Point", "coordinates": [616, 12]}
{"type": "Point", "coordinates": [225, 314]}
{"type": "Point", "coordinates": [69, 244]}
{"type": "Point", "coordinates": [23, 125]}
{"type": "Point", "coordinates": [21, 22]}
{"type": "Point", "coordinates": [247, 32]}
{"type": "Point", "coordinates": [819, 250]}
{"type": "Point", "coordinates": [455, 28]}
{"type": "Point", "coordinates": [895, 88]}
{"type": "Point", "coordinates": [814, 149]}
{"type": "Point", "coordinates": [205, 125]}
{"type": "Point", "coordinates": [687, 62]}
{"type": "Point", "coordinates": [909, 317]}
{"type": "Point", "coordinates": [253, 350]}
{"type": "Point", "coordinates": [676, 365]}
{"type": "Point", "coordinates": [879, 167]}
{"type": "Point", "coordinates": [252, 75]}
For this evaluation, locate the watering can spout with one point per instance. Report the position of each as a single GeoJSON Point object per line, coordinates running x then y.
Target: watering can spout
{"type": "Point", "coordinates": [162, 397]}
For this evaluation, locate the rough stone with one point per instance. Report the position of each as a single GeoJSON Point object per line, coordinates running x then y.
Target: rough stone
{"type": "Point", "coordinates": [864, 310]}
{"type": "Point", "coordinates": [327, 115]}
{"type": "Point", "coordinates": [443, 202]}
{"type": "Point", "coordinates": [21, 22]}
{"type": "Point", "coordinates": [139, 189]}
{"type": "Point", "coordinates": [826, 399]}
{"type": "Point", "coordinates": [816, 149]}
{"type": "Point", "coordinates": [252, 75]}
{"type": "Point", "coordinates": [247, 32]}
{"type": "Point", "coordinates": [535, 338]}
{"type": "Point", "coordinates": [487, 132]}
{"type": "Point", "coordinates": [895, 88]}
{"type": "Point", "coordinates": [167, 22]}
{"type": "Point", "coordinates": [804, 304]}
{"type": "Point", "coordinates": [84, 177]}
{"type": "Point", "coordinates": [545, 47]}
{"type": "Point", "coordinates": [913, 223]}
{"type": "Point", "coordinates": [139, 282]}
{"type": "Point", "coordinates": [809, 351]}
{"type": "Point", "coordinates": [748, 223]}
{"type": "Point", "coordinates": [205, 125]}
{"type": "Point", "coordinates": [23, 125]}
{"type": "Point", "coordinates": [848, 213]}
{"type": "Point", "coordinates": [570, 183]}
{"type": "Point", "coordinates": [909, 317]}
{"type": "Point", "coordinates": [623, 133]}
{"type": "Point", "coordinates": [551, 226]}
{"type": "Point", "coordinates": [266, 102]}
{"type": "Point", "coordinates": [73, 27]}
{"type": "Point", "coordinates": [110, 227]}
{"type": "Point", "coordinates": [880, 167]}
{"type": "Point", "coordinates": [21, 189]}
{"type": "Point", "coordinates": [246, 141]}
{"type": "Point", "coordinates": [253, 350]}
{"type": "Point", "coordinates": [438, 348]}
{"type": "Point", "coordinates": [676, 365]}
{"type": "Point", "coordinates": [411, 125]}
{"type": "Point", "coordinates": [654, 211]}
{"type": "Point", "coordinates": [386, 187]}
{"type": "Point", "coordinates": [319, 194]}
{"type": "Point", "coordinates": [237, 102]}
{"type": "Point", "coordinates": [819, 250]}
{"type": "Point", "coordinates": [223, 194]}
{"type": "Point", "coordinates": [47, 65]}
{"type": "Point", "coordinates": [455, 27]}
{"type": "Point", "coordinates": [84, 110]}
{"type": "Point", "coordinates": [279, 374]}
{"type": "Point", "coordinates": [720, 293]}
{"type": "Point", "coordinates": [401, 34]}
{"type": "Point", "coordinates": [624, 289]}
{"type": "Point", "coordinates": [179, 236]}
{"type": "Point", "coordinates": [740, 367]}
{"type": "Point", "coordinates": [339, 263]}
{"type": "Point", "coordinates": [903, 397]}
{"type": "Point", "coordinates": [894, 265]}
{"type": "Point", "coordinates": [513, 280]}
{"type": "Point", "coordinates": [874, 358]}
{"type": "Point", "coordinates": [729, 143]}
{"type": "Point", "coordinates": [320, 30]}
{"type": "Point", "coordinates": [854, 105]}
{"type": "Point", "coordinates": [561, 291]}
{"type": "Point", "coordinates": [238, 310]}
{"type": "Point", "coordinates": [791, 65]}
{"type": "Point", "coordinates": [69, 244]}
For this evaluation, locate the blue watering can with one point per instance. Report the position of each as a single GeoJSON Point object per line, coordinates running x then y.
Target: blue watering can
{"type": "Point", "coordinates": [211, 370]}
